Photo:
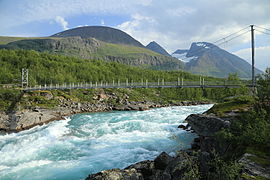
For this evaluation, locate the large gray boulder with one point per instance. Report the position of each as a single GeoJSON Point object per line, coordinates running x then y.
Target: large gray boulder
{"type": "Point", "coordinates": [205, 125]}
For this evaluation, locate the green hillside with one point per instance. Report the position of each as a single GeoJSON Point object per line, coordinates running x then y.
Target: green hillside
{"type": "Point", "coordinates": [48, 68]}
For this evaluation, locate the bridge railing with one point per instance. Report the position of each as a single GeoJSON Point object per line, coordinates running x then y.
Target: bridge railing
{"type": "Point", "coordinates": [143, 84]}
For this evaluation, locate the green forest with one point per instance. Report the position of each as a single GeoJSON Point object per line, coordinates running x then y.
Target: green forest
{"type": "Point", "coordinates": [45, 68]}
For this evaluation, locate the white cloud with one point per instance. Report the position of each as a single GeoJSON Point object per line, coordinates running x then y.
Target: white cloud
{"type": "Point", "coordinates": [62, 22]}
{"type": "Point", "coordinates": [173, 23]}
{"type": "Point", "coordinates": [262, 56]}
{"type": "Point", "coordinates": [102, 22]}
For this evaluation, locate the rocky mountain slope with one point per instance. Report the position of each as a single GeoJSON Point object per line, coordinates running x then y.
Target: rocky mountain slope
{"type": "Point", "coordinates": [91, 48]}
{"type": "Point", "coordinates": [154, 46]}
{"type": "Point", "coordinates": [208, 59]}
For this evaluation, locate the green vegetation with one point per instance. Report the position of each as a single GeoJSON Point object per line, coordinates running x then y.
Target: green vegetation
{"type": "Point", "coordinates": [240, 103]}
{"type": "Point", "coordinates": [250, 131]}
{"type": "Point", "coordinates": [46, 68]}
{"type": "Point", "coordinates": [223, 170]}
{"type": "Point", "coordinates": [7, 97]}
{"type": "Point", "coordinates": [7, 39]}
{"type": "Point", "coordinates": [123, 51]}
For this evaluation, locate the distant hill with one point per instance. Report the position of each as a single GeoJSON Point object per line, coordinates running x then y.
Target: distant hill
{"type": "Point", "coordinates": [102, 33]}
{"type": "Point", "coordinates": [208, 59]}
{"type": "Point", "coordinates": [154, 46]}
{"type": "Point", "coordinates": [91, 48]}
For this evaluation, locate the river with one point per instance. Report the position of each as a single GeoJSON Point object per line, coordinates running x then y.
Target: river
{"type": "Point", "coordinates": [87, 143]}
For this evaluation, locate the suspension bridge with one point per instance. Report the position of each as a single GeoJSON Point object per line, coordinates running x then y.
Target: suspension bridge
{"type": "Point", "coordinates": [162, 84]}
{"type": "Point", "coordinates": [143, 84]}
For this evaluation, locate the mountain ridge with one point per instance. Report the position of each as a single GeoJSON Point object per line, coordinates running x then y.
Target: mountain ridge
{"type": "Point", "coordinates": [154, 46]}
{"type": "Point", "coordinates": [102, 33]}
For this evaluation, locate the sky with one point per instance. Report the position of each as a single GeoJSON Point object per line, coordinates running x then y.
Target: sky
{"type": "Point", "coordinates": [174, 24]}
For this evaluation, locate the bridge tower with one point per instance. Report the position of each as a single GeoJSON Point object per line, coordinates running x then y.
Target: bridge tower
{"type": "Point", "coordinates": [24, 77]}
{"type": "Point", "coordinates": [253, 55]}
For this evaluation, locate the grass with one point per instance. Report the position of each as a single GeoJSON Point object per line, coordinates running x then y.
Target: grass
{"type": "Point", "coordinates": [7, 39]}
{"type": "Point", "coordinates": [123, 51]}
{"type": "Point", "coordinates": [240, 104]}
{"type": "Point", "coordinates": [248, 177]}
{"type": "Point", "coordinates": [262, 155]}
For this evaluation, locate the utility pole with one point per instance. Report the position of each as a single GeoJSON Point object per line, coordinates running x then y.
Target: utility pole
{"type": "Point", "coordinates": [252, 55]}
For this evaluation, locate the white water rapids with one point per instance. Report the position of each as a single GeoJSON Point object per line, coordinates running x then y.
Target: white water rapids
{"type": "Point", "coordinates": [87, 143]}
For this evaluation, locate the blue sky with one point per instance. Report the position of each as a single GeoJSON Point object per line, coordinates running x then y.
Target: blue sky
{"type": "Point", "coordinates": [174, 24]}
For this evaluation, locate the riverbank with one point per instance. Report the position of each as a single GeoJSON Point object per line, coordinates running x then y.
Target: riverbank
{"type": "Point", "coordinates": [41, 107]}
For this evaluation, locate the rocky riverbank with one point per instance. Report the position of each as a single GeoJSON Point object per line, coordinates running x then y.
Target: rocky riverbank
{"type": "Point", "coordinates": [32, 115]}
{"type": "Point", "coordinates": [200, 162]}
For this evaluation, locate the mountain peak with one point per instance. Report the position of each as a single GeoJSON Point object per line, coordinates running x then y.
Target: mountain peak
{"type": "Point", "coordinates": [154, 46]}
{"type": "Point", "coordinates": [199, 48]}
{"type": "Point", "coordinates": [102, 33]}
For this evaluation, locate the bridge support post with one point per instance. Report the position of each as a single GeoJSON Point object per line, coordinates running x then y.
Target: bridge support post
{"type": "Point", "coordinates": [113, 82]}
{"type": "Point", "coordinates": [146, 83]}
{"type": "Point", "coordinates": [203, 82]}
{"type": "Point", "coordinates": [182, 82]}
{"type": "Point", "coordinates": [163, 82]}
{"type": "Point", "coordinates": [178, 81]}
{"type": "Point", "coordinates": [118, 82]}
{"type": "Point", "coordinates": [158, 82]}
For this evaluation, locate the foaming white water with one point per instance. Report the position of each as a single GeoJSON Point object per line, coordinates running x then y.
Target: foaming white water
{"type": "Point", "coordinates": [87, 143]}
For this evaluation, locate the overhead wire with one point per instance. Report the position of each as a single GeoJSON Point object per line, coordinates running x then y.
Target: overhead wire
{"type": "Point", "coordinates": [262, 28]}
{"type": "Point", "coordinates": [262, 32]}
{"type": "Point", "coordinates": [231, 35]}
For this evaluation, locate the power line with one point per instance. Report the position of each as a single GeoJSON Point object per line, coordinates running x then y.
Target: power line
{"type": "Point", "coordinates": [230, 35]}
{"type": "Point", "coordinates": [262, 28]}
{"type": "Point", "coordinates": [262, 32]}
{"type": "Point", "coordinates": [234, 38]}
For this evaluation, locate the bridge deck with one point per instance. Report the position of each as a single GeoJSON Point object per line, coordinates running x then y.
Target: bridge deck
{"type": "Point", "coordinates": [134, 85]}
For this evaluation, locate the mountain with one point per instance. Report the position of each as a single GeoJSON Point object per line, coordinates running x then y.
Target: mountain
{"type": "Point", "coordinates": [91, 48]}
{"type": "Point", "coordinates": [102, 33]}
{"type": "Point", "coordinates": [157, 48]}
{"type": "Point", "coordinates": [208, 59]}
